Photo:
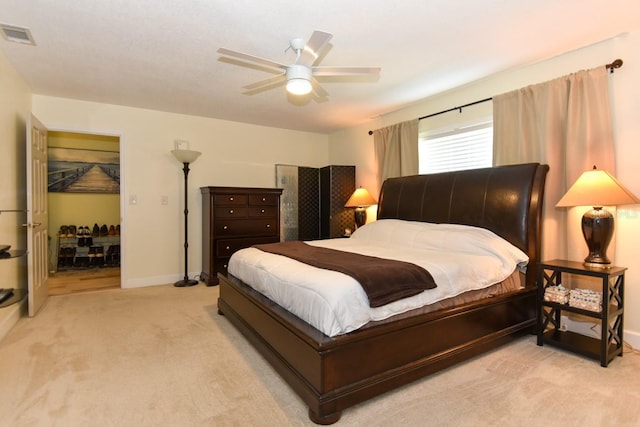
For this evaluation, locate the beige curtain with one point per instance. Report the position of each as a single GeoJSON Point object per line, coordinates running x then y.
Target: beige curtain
{"type": "Point", "coordinates": [565, 123]}
{"type": "Point", "coordinates": [396, 150]}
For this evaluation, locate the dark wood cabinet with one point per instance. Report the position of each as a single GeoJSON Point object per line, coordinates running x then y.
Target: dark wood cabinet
{"type": "Point", "coordinates": [234, 218]}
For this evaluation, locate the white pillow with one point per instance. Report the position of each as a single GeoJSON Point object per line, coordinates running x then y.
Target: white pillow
{"type": "Point", "coordinates": [441, 237]}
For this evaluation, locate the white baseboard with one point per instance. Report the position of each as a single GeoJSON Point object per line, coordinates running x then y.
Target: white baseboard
{"type": "Point", "coordinates": [632, 338]}
{"type": "Point", "coordinates": [10, 315]}
{"type": "Point", "coordinates": [156, 280]}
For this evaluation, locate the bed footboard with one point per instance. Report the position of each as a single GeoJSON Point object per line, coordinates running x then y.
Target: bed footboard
{"type": "Point", "coordinates": [329, 373]}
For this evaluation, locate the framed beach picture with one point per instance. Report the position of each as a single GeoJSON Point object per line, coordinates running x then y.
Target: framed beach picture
{"type": "Point", "coordinates": [74, 170]}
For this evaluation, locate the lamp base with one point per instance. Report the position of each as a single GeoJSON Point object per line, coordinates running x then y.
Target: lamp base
{"type": "Point", "coordinates": [596, 265]}
{"type": "Point", "coordinates": [597, 229]}
{"type": "Point", "coordinates": [185, 282]}
{"type": "Point", "coordinates": [360, 216]}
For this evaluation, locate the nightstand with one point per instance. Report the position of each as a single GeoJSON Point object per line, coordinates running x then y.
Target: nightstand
{"type": "Point", "coordinates": [610, 315]}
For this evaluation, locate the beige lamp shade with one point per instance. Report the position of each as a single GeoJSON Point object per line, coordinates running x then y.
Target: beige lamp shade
{"type": "Point", "coordinates": [597, 188]}
{"type": "Point", "coordinates": [186, 156]}
{"type": "Point", "coordinates": [360, 198]}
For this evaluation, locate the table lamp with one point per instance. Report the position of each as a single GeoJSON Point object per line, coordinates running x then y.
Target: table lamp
{"type": "Point", "coordinates": [597, 188]}
{"type": "Point", "coordinates": [360, 199]}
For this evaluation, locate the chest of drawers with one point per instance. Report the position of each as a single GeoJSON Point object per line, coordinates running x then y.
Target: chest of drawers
{"type": "Point", "coordinates": [234, 218]}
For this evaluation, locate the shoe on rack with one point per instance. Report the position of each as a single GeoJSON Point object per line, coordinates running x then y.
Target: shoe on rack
{"type": "Point", "coordinates": [96, 231]}
{"type": "Point", "coordinates": [64, 230]}
{"type": "Point", "coordinates": [115, 256]}
{"type": "Point", "coordinates": [99, 256]}
{"type": "Point", "coordinates": [71, 254]}
{"type": "Point", "coordinates": [62, 254]}
{"type": "Point", "coordinates": [71, 231]}
{"type": "Point", "coordinates": [112, 230]}
{"type": "Point", "coordinates": [92, 256]}
{"type": "Point", "coordinates": [117, 229]}
{"type": "Point", "coordinates": [104, 231]}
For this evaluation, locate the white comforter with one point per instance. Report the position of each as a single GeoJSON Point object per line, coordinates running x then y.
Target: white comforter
{"type": "Point", "coordinates": [460, 258]}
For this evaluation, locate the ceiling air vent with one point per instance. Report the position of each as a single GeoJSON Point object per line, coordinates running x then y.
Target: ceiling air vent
{"type": "Point", "coordinates": [16, 34]}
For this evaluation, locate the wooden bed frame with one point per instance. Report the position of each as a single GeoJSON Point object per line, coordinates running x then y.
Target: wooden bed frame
{"type": "Point", "coordinates": [331, 374]}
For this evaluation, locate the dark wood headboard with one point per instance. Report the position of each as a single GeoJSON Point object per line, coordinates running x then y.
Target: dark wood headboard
{"type": "Point", "coordinates": [504, 199]}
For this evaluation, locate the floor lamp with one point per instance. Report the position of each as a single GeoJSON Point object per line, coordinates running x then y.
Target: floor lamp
{"type": "Point", "coordinates": [185, 157]}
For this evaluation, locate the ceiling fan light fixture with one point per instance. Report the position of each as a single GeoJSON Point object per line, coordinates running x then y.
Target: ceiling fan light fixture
{"type": "Point", "coordinates": [299, 80]}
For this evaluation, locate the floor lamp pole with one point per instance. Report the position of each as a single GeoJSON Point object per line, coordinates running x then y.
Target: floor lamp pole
{"type": "Point", "coordinates": [186, 156]}
{"type": "Point", "coordinates": [186, 281]}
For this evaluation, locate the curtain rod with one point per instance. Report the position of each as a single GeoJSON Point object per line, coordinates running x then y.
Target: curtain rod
{"type": "Point", "coordinates": [615, 64]}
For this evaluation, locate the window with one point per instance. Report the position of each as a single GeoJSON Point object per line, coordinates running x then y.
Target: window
{"type": "Point", "coordinates": [459, 149]}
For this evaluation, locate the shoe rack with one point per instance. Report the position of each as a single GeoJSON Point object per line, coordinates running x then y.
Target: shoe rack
{"type": "Point", "coordinates": [80, 247]}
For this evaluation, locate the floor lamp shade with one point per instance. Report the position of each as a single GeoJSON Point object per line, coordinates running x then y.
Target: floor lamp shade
{"type": "Point", "coordinates": [186, 157]}
{"type": "Point", "coordinates": [597, 188]}
{"type": "Point", "coordinates": [360, 199]}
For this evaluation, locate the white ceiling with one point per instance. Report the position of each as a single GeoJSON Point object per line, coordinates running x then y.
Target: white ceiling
{"type": "Point", "coordinates": [161, 54]}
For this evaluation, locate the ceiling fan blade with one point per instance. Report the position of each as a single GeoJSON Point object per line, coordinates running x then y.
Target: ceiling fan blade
{"type": "Point", "coordinates": [271, 81]}
{"type": "Point", "coordinates": [251, 58]}
{"type": "Point", "coordinates": [319, 93]}
{"type": "Point", "coordinates": [315, 45]}
{"type": "Point", "coordinates": [345, 71]}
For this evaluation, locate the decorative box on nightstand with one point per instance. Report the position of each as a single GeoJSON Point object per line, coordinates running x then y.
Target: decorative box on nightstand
{"type": "Point", "coordinates": [607, 307]}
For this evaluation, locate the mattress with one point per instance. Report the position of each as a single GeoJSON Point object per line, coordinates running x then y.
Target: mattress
{"type": "Point", "coordinates": [460, 258]}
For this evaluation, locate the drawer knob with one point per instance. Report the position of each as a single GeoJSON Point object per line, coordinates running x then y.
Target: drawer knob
{"type": "Point", "coordinates": [261, 210]}
{"type": "Point", "coordinates": [268, 225]}
{"type": "Point", "coordinates": [227, 248]}
{"type": "Point", "coordinates": [231, 199]}
{"type": "Point", "coordinates": [231, 211]}
{"type": "Point", "coordinates": [225, 227]}
{"type": "Point", "coordinates": [264, 199]}
{"type": "Point", "coordinates": [224, 266]}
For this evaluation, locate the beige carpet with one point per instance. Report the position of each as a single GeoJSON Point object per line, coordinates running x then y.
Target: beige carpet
{"type": "Point", "coordinates": [162, 356]}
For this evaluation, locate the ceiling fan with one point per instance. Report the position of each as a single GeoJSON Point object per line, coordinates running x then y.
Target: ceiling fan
{"type": "Point", "coordinates": [300, 75]}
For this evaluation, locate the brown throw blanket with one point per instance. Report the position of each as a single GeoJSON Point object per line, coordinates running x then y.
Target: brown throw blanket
{"type": "Point", "coordinates": [383, 280]}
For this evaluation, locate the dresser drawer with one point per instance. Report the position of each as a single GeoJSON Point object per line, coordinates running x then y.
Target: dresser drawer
{"type": "Point", "coordinates": [230, 199]}
{"type": "Point", "coordinates": [231, 212]}
{"type": "Point", "coordinates": [220, 266]}
{"type": "Point", "coordinates": [226, 247]}
{"type": "Point", "coordinates": [262, 212]}
{"type": "Point", "coordinates": [263, 199]}
{"type": "Point", "coordinates": [256, 227]}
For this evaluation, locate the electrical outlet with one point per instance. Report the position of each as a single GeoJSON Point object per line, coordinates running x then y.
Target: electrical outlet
{"type": "Point", "coordinates": [181, 144]}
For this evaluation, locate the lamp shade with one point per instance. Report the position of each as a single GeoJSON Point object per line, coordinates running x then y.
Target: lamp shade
{"type": "Point", "coordinates": [597, 188]}
{"type": "Point", "coordinates": [186, 156]}
{"type": "Point", "coordinates": [360, 198]}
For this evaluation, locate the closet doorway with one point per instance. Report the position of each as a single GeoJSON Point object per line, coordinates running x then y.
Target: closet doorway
{"type": "Point", "coordinates": [84, 212]}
